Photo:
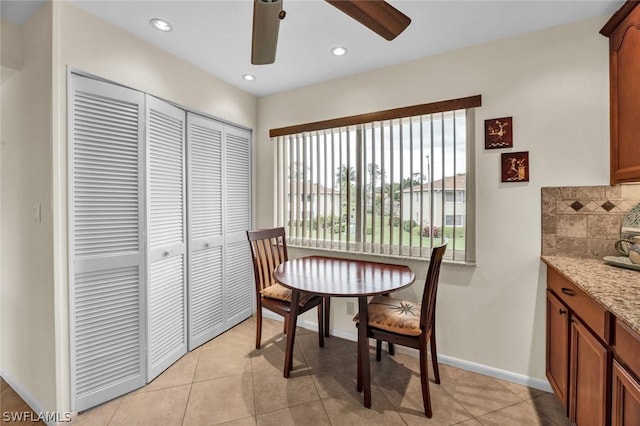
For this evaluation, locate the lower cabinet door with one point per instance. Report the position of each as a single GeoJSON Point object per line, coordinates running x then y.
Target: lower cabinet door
{"type": "Point", "coordinates": [588, 384]}
{"type": "Point", "coordinates": [625, 397]}
{"type": "Point", "coordinates": [557, 357]}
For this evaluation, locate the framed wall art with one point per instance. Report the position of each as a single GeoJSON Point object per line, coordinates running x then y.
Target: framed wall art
{"type": "Point", "coordinates": [498, 133]}
{"type": "Point", "coordinates": [515, 166]}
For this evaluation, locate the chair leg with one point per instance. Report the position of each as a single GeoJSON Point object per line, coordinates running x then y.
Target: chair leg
{"type": "Point", "coordinates": [392, 350]}
{"type": "Point", "coordinates": [258, 326]}
{"type": "Point", "coordinates": [291, 321]}
{"type": "Point", "coordinates": [326, 301]}
{"type": "Point", "coordinates": [320, 325]}
{"type": "Point", "coordinates": [379, 350]}
{"type": "Point", "coordinates": [286, 321]}
{"type": "Point", "coordinates": [424, 380]}
{"type": "Point", "coordinates": [434, 357]}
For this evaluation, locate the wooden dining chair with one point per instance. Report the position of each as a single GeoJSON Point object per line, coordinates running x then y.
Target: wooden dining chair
{"type": "Point", "coordinates": [268, 250]}
{"type": "Point", "coordinates": [410, 324]}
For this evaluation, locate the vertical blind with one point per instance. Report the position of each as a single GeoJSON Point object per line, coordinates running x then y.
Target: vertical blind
{"type": "Point", "coordinates": [390, 187]}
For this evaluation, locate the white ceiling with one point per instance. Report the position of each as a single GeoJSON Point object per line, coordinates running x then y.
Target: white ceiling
{"type": "Point", "coordinates": [215, 35]}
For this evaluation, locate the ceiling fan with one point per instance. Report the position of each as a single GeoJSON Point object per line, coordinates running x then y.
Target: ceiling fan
{"type": "Point", "coordinates": [378, 15]}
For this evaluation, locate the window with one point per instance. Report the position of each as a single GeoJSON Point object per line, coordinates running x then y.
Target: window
{"type": "Point", "coordinates": [448, 220]}
{"type": "Point", "coordinates": [389, 186]}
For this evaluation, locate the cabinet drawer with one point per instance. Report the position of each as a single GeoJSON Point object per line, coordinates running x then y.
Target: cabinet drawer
{"type": "Point", "coordinates": [627, 347]}
{"type": "Point", "coordinates": [590, 312]}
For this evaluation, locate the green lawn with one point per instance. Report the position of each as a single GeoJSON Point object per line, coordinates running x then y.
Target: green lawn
{"type": "Point", "coordinates": [396, 231]}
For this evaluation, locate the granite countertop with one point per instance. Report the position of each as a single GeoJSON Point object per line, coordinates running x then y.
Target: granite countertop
{"type": "Point", "coordinates": [617, 289]}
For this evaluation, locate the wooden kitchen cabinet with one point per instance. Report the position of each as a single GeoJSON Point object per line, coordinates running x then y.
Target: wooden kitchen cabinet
{"type": "Point", "coordinates": [625, 397]}
{"type": "Point", "coordinates": [593, 341]}
{"type": "Point", "coordinates": [623, 30]}
{"type": "Point", "coordinates": [558, 347]}
{"type": "Point", "coordinates": [589, 382]}
{"type": "Point", "coordinates": [625, 386]}
{"type": "Point", "coordinates": [578, 357]}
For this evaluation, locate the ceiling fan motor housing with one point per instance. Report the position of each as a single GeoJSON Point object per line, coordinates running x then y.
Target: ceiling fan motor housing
{"type": "Point", "coordinates": [266, 24]}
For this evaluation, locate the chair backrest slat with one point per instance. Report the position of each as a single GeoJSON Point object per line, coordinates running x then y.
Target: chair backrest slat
{"type": "Point", "coordinates": [428, 311]}
{"type": "Point", "coordinates": [268, 250]}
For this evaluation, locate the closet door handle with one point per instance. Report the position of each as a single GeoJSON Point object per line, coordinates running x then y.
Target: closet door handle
{"type": "Point", "coordinates": [166, 253]}
{"type": "Point", "coordinates": [207, 244]}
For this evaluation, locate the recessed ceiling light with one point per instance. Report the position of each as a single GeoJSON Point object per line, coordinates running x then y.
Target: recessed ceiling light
{"type": "Point", "coordinates": [339, 51]}
{"type": "Point", "coordinates": [160, 24]}
{"type": "Point", "coordinates": [249, 77]}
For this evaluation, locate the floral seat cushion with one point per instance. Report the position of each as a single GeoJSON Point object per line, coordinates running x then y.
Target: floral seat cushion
{"type": "Point", "coordinates": [280, 292]}
{"type": "Point", "coordinates": [394, 315]}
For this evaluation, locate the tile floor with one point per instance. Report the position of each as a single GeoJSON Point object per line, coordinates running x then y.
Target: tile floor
{"type": "Point", "coordinates": [227, 381]}
{"type": "Point", "coordinates": [12, 407]}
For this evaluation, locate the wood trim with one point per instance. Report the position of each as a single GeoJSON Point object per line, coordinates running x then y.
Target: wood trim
{"type": "Point", "coordinates": [389, 114]}
{"type": "Point", "coordinates": [618, 17]}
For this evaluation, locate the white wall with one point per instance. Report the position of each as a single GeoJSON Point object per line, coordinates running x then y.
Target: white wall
{"type": "Point", "coordinates": [34, 324]}
{"type": "Point", "coordinates": [11, 50]}
{"type": "Point", "coordinates": [554, 84]}
{"type": "Point", "coordinates": [27, 309]}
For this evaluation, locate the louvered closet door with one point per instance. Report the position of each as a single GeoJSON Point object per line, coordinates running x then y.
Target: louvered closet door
{"type": "Point", "coordinates": [237, 213]}
{"type": "Point", "coordinates": [166, 258]}
{"type": "Point", "coordinates": [105, 223]}
{"type": "Point", "coordinates": [204, 151]}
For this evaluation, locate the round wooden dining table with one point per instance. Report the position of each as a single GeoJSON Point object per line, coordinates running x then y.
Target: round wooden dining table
{"type": "Point", "coordinates": [337, 277]}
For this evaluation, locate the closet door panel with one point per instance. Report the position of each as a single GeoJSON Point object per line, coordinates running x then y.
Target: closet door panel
{"type": "Point", "coordinates": [204, 150]}
{"type": "Point", "coordinates": [166, 210]}
{"type": "Point", "coordinates": [237, 213]}
{"type": "Point", "coordinates": [105, 245]}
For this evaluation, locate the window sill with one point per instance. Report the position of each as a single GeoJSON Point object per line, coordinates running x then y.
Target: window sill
{"type": "Point", "coordinates": [376, 257]}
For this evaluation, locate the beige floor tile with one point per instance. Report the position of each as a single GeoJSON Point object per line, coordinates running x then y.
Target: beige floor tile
{"type": "Point", "coordinates": [478, 394]}
{"type": "Point", "coordinates": [348, 409]}
{"type": "Point", "coordinates": [98, 416]}
{"type": "Point", "coordinates": [333, 346]}
{"type": "Point", "coordinates": [13, 406]}
{"type": "Point", "coordinates": [220, 400]}
{"type": "Point", "coordinates": [309, 414]}
{"type": "Point", "coordinates": [3, 384]}
{"type": "Point", "coordinates": [270, 357]}
{"type": "Point", "coordinates": [522, 391]}
{"type": "Point", "coordinates": [272, 391]}
{"type": "Point", "coordinates": [246, 421]}
{"type": "Point", "coordinates": [406, 397]}
{"type": "Point", "coordinates": [180, 373]}
{"type": "Point", "coordinates": [161, 407]}
{"type": "Point", "coordinates": [396, 367]}
{"type": "Point", "coordinates": [227, 381]}
{"type": "Point", "coordinates": [271, 330]}
{"type": "Point", "coordinates": [334, 376]}
{"type": "Point", "coordinates": [470, 422]}
{"type": "Point", "coordinates": [527, 413]}
{"type": "Point", "coordinates": [242, 334]}
{"type": "Point", "coordinates": [222, 361]}
{"type": "Point", "coordinates": [11, 401]}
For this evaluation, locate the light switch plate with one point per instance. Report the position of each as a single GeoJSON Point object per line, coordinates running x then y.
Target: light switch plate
{"type": "Point", "coordinates": [350, 308]}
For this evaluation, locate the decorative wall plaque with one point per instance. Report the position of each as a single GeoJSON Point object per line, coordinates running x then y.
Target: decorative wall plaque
{"type": "Point", "coordinates": [515, 166]}
{"type": "Point", "coordinates": [498, 133]}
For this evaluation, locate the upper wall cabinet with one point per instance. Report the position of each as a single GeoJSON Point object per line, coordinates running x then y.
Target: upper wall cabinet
{"type": "Point", "coordinates": [623, 30]}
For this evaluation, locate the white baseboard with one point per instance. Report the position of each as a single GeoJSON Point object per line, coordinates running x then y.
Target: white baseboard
{"type": "Point", "coordinates": [509, 376]}
{"type": "Point", "coordinates": [26, 396]}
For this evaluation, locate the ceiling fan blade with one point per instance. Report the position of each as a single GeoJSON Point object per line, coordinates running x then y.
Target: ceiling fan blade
{"type": "Point", "coordinates": [266, 23]}
{"type": "Point", "coordinates": [377, 15]}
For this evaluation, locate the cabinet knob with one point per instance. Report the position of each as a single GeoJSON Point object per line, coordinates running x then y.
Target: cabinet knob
{"type": "Point", "coordinates": [562, 311]}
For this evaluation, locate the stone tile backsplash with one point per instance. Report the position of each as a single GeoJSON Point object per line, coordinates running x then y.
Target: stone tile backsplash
{"type": "Point", "coordinates": [584, 221]}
